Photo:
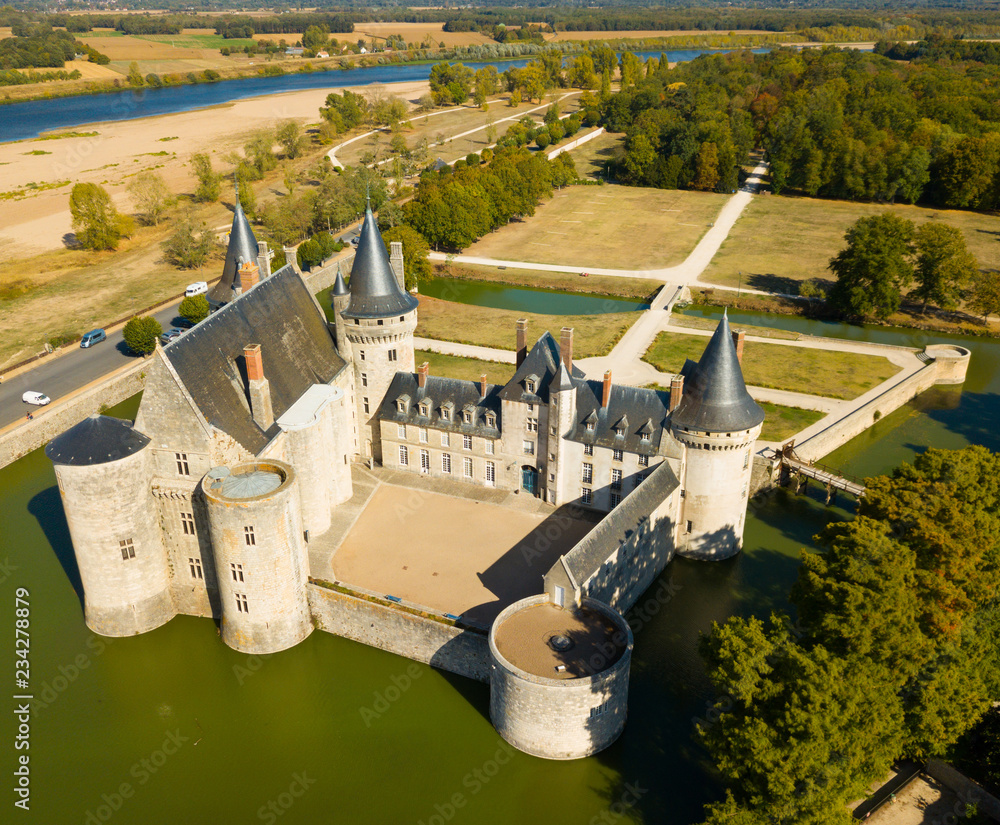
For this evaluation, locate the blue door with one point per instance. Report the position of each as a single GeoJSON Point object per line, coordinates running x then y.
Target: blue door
{"type": "Point", "coordinates": [529, 480]}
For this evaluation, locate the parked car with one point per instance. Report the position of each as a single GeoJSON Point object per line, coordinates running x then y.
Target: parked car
{"type": "Point", "coordinates": [39, 399]}
{"type": "Point", "coordinates": [197, 288]}
{"type": "Point", "coordinates": [170, 334]}
{"type": "Point", "coordinates": [95, 336]}
{"type": "Point", "coordinates": [354, 240]}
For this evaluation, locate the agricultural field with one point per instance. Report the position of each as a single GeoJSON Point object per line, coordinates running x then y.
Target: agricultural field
{"type": "Point", "coordinates": [812, 232]}
{"type": "Point", "coordinates": [415, 33]}
{"type": "Point", "coordinates": [619, 227]}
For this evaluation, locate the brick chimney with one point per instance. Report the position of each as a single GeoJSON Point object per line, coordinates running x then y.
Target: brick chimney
{"type": "Point", "coordinates": [422, 372]}
{"type": "Point", "coordinates": [482, 385]}
{"type": "Point", "coordinates": [606, 395]}
{"type": "Point", "coordinates": [738, 336]}
{"type": "Point", "coordinates": [396, 262]}
{"type": "Point", "coordinates": [522, 340]}
{"type": "Point", "coordinates": [676, 391]}
{"type": "Point", "coordinates": [260, 389]}
{"type": "Point", "coordinates": [566, 348]}
{"type": "Point", "coordinates": [249, 275]}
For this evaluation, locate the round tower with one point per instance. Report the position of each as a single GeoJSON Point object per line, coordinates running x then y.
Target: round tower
{"type": "Point", "coordinates": [559, 676]}
{"type": "Point", "coordinates": [260, 555]}
{"type": "Point", "coordinates": [718, 423]}
{"type": "Point", "coordinates": [340, 297]}
{"type": "Point", "coordinates": [103, 469]}
{"type": "Point", "coordinates": [379, 320]}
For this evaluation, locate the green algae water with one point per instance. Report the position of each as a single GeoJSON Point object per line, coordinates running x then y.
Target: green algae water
{"type": "Point", "coordinates": [173, 726]}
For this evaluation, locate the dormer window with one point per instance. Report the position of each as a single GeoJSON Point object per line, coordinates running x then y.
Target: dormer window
{"type": "Point", "coordinates": [619, 431]}
{"type": "Point", "coordinates": [467, 417]}
{"type": "Point", "coordinates": [425, 410]}
{"type": "Point", "coordinates": [529, 385]}
{"type": "Point", "coordinates": [590, 426]}
{"type": "Point", "coordinates": [446, 409]}
{"type": "Point", "coordinates": [403, 403]}
{"type": "Point", "coordinates": [491, 420]}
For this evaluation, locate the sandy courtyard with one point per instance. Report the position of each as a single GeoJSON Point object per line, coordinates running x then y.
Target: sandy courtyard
{"type": "Point", "coordinates": [454, 555]}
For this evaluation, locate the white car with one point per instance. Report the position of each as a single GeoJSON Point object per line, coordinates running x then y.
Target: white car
{"type": "Point", "coordinates": [197, 288]}
{"type": "Point", "coordinates": [37, 398]}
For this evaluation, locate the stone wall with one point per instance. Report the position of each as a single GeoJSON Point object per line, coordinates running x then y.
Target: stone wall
{"type": "Point", "coordinates": [967, 790]}
{"type": "Point", "coordinates": [574, 143]}
{"type": "Point", "coordinates": [455, 649]}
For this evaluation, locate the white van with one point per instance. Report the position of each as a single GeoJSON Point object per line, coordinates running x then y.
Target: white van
{"type": "Point", "coordinates": [39, 399]}
{"type": "Point", "coordinates": [197, 288]}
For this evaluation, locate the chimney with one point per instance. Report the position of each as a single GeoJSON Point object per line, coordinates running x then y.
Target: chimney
{"type": "Point", "coordinates": [566, 348]}
{"type": "Point", "coordinates": [422, 371]}
{"type": "Point", "coordinates": [522, 340]}
{"type": "Point", "coordinates": [291, 257]}
{"type": "Point", "coordinates": [396, 262]}
{"type": "Point", "coordinates": [260, 389]}
{"type": "Point", "coordinates": [249, 275]}
{"type": "Point", "coordinates": [676, 391]}
{"type": "Point", "coordinates": [482, 385]}
{"type": "Point", "coordinates": [606, 395]}
{"type": "Point", "coordinates": [264, 259]}
{"type": "Point", "coordinates": [738, 336]}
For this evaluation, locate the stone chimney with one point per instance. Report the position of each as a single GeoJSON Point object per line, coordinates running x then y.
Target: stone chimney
{"type": "Point", "coordinates": [249, 275]}
{"type": "Point", "coordinates": [522, 340]}
{"type": "Point", "coordinates": [291, 257]}
{"type": "Point", "coordinates": [260, 389]}
{"type": "Point", "coordinates": [482, 385]}
{"type": "Point", "coordinates": [264, 256]}
{"type": "Point", "coordinates": [738, 336]}
{"type": "Point", "coordinates": [396, 262]}
{"type": "Point", "coordinates": [422, 372]}
{"type": "Point", "coordinates": [606, 395]}
{"type": "Point", "coordinates": [566, 348]}
{"type": "Point", "coordinates": [676, 391]}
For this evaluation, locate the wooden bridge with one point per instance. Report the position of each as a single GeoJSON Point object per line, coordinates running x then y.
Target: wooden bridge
{"type": "Point", "coordinates": [795, 469]}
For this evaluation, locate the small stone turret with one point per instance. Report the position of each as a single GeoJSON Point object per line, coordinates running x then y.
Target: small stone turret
{"type": "Point", "coordinates": [242, 248]}
{"type": "Point", "coordinates": [340, 297]}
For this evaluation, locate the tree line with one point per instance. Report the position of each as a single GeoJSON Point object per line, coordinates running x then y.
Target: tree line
{"type": "Point", "coordinates": [40, 46]}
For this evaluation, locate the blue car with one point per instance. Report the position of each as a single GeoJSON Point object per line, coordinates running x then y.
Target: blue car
{"type": "Point", "coordinates": [95, 336]}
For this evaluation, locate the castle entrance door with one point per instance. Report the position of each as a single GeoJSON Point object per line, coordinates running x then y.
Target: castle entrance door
{"type": "Point", "coordinates": [529, 480]}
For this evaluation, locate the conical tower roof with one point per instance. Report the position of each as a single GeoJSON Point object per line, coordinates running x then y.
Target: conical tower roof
{"type": "Point", "coordinates": [339, 287]}
{"type": "Point", "coordinates": [242, 244]}
{"type": "Point", "coordinates": [375, 292]}
{"type": "Point", "coordinates": [97, 439]}
{"type": "Point", "coordinates": [715, 397]}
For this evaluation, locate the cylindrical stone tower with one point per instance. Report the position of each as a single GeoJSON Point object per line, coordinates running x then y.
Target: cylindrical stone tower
{"type": "Point", "coordinates": [559, 677]}
{"type": "Point", "coordinates": [717, 422]}
{"type": "Point", "coordinates": [103, 468]}
{"type": "Point", "coordinates": [260, 555]}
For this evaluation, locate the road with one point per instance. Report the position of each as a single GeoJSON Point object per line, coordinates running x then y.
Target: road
{"type": "Point", "coordinates": [58, 375]}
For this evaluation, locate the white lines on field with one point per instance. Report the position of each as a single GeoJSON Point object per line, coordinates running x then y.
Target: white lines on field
{"type": "Point", "coordinates": [553, 232]}
{"type": "Point", "coordinates": [536, 243]}
{"type": "Point", "coordinates": [570, 221]}
{"type": "Point", "coordinates": [691, 224]}
{"type": "Point", "coordinates": [670, 210]}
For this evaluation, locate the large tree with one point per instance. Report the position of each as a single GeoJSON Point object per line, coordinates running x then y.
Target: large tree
{"type": "Point", "coordinates": [416, 265]}
{"type": "Point", "coordinates": [140, 334]}
{"type": "Point", "coordinates": [150, 195]}
{"type": "Point", "coordinates": [944, 265]}
{"type": "Point", "coordinates": [95, 220]}
{"type": "Point", "coordinates": [189, 246]}
{"type": "Point", "coordinates": [208, 189]}
{"type": "Point", "coordinates": [985, 297]}
{"type": "Point", "coordinates": [874, 268]}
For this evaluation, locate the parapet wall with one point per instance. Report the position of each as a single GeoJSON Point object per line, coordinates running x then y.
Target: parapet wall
{"type": "Point", "coordinates": [455, 649]}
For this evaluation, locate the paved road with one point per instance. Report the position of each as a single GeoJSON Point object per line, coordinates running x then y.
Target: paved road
{"type": "Point", "coordinates": [58, 375]}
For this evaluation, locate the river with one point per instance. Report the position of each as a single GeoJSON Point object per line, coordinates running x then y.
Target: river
{"type": "Point", "coordinates": [174, 726]}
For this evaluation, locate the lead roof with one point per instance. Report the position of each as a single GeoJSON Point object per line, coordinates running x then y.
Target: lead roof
{"type": "Point", "coordinates": [242, 245]}
{"type": "Point", "coordinates": [375, 292]}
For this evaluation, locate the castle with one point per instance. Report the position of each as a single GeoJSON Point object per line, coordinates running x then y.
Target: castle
{"type": "Point", "coordinates": [243, 446]}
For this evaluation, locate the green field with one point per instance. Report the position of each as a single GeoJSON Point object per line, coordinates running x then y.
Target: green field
{"type": "Point", "coordinates": [828, 373]}
{"type": "Point", "coordinates": [201, 41]}
{"type": "Point", "coordinates": [467, 369]}
{"type": "Point", "coordinates": [781, 422]}
{"type": "Point", "coordinates": [639, 289]}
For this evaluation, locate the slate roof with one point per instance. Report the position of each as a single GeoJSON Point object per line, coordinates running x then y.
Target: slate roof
{"type": "Point", "coordinates": [641, 413]}
{"type": "Point", "coordinates": [375, 292]}
{"type": "Point", "coordinates": [715, 396]}
{"type": "Point", "coordinates": [541, 364]}
{"type": "Point", "coordinates": [439, 391]}
{"type": "Point", "coordinates": [97, 439]}
{"type": "Point", "coordinates": [296, 347]}
{"type": "Point", "coordinates": [242, 244]}
{"type": "Point", "coordinates": [339, 286]}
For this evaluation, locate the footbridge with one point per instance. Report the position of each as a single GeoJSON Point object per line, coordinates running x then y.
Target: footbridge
{"type": "Point", "coordinates": [794, 469]}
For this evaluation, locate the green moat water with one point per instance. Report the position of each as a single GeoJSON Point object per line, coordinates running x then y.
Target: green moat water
{"type": "Point", "coordinates": [248, 727]}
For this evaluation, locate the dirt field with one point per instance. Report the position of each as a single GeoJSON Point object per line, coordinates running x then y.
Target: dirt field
{"type": "Point", "coordinates": [429, 555]}
{"type": "Point", "coordinates": [416, 32]}
{"type": "Point", "coordinates": [812, 231]}
{"type": "Point", "coordinates": [611, 226]}
{"type": "Point", "coordinates": [592, 157]}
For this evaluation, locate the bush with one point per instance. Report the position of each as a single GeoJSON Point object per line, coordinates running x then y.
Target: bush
{"type": "Point", "coordinates": [63, 338]}
{"type": "Point", "coordinates": [486, 155]}
{"type": "Point", "coordinates": [459, 164]}
{"type": "Point", "coordinates": [542, 139]}
{"type": "Point", "coordinates": [472, 159]}
{"type": "Point", "coordinates": [189, 246]}
{"type": "Point", "coordinates": [194, 309]}
{"type": "Point", "coordinates": [316, 250]}
{"type": "Point", "coordinates": [812, 289]}
{"type": "Point", "coordinates": [140, 334]}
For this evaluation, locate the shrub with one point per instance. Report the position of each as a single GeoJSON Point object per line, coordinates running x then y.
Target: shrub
{"type": "Point", "coordinates": [194, 309]}
{"type": "Point", "coordinates": [542, 139]}
{"type": "Point", "coordinates": [460, 164]}
{"type": "Point", "coordinates": [63, 338]}
{"type": "Point", "coordinates": [472, 159]}
{"type": "Point", "coordinates": [486, 155]}
{"type": "Point", "coordinates": [140, 334]}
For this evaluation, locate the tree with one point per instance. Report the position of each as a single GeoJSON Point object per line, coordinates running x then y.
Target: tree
{"type": "Point", "coordinates": [944, 265]}
{"type": "Point", "coordinates": [208, 189]}
{"type": "Point", "coordinates": [135, 77]}
{"type": "Point", "coordinates": [95, 220]}
{"type": "Point", "coordinates": [874, 267]}
{"type": "Point", "coordinates": [289, 135]}
{"type": "Point", "coordinates": [194, 309]}
{"type": "Point", "coordinates": [259, 151]}
{"type": "Point", "coordinates": [189, 246]}
{"type": "Point", "coordinates": [985, 298]}
{"type": "Point", "coordinates": [140, 334]}
{"type": "Point", "coordinates": [314, 38]}
{"type": "Point", "coordinates": [150, 195]}
{"type": "Point", "coordinates": [416, 264]}
{"type": "Point", "coordinates": [706, 174]}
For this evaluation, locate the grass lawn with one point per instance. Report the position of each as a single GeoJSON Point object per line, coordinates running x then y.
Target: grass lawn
{"type": "Point", "coordinates": [639, 289]}
{"type": "Point", "coordinates": [468, 369]}
{"type": "Point", "coordinates": [782, 422]}
{"type": "Point", "coordinates": [817, 372]}
{"type": "Point", "coordinates": [811, 231]}
{"type": "Point", "coordinates": [486, 327]}
{"type": "Point", "coordinates": [621, 227]}
{"type": "Point", "coordinates": [696, 322]}
{"type": "Point", "coordinates": [591, 159]}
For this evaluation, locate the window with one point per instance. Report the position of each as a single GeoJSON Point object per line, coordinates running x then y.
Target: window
{"type": "Point", "coordinates": [491, 473]}
{"type": "Point", "coordinates": [195, 565]}
{"type": "Point", "coordinates": [467, 467]}
{"type": "Point", "coordinates": [392, 352]}
{"type": "Point", "coordinates": [187, 522]}
{"type": "Point", "coordinates": [380, 322]}
{"type": "Point", "coordinates": [690, 526]}
{"type": "Point", "coordinates": [364, 379]}
{"type": "Point", "coordinates": [491, 420]}
{"type": "Point", "coordinates": [601, 709]}
{"type": "Point", "coordinates": [644, 461]}
{"type": "Point", "coordinates": [490, 447]}
{"type": "Point", "coordinates": [588, 449]}
{"type": "Point", "coordinates": [588, 474]}
{"type": "Point", "coordinates": [529, 386]}
{"type": "Point", "coordinates": [616, 499]}
{"type": "Point", "coordinates": [237, 571]}
{"type": "Point", "coordinates": [529, 447]}
{"type": "Point", "coordinates": [531, 408]}
{"type": "Point", "coordinates": [404, 456]}
{"type": "Point", "coordinates": [249, 537]}
{"type": "Point", "coordinates": [241, 603]}
{"type": "Point", "coordinates": [425, 461]}
{"type": "Point", "coordinates": [640, 477]}
{"type": "Point", "coordinates": [590, 426]}
{"type": "Point", "coordinates": [445, 414]}
{"type": "Point", "coordinates": [616, 479]}
{"type": "Point", "coordinates": [422, 432]}
{"type": "Point", "coordinates": [445, 439]}
{"type": "Point", "coordinates": [127, 548]}
{"type": "Point", "coordinates": [467, 417]}
{"type": "Point", "coordinates": [587, 496]}
{"type": "Point", "coordinates": [182, 464]}
{"type": "Point", "coordinates": [445, 462]}
{"type": "Point", "coordinates": [361, 355]}
{"type": "Point", "coordinates": [746, 459]}
{"type": "Point", "coordinates": [401, 430]}
{"type": "Point", "coordinates": [619, 431]}
{"type": "Point", "coordinates": [617, 455]}
{"type": "Point", "coordinates": [424, 410]}
{"type": "Point", "coordinates": [532, 425]}
{"type": "Point", "coordinates": [466, 442]}
{"type": "Point", "coordinates": [365, 400]}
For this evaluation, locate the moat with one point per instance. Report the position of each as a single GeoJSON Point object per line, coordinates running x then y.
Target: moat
{"type": "Point", "coordinates": [380, 738]}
